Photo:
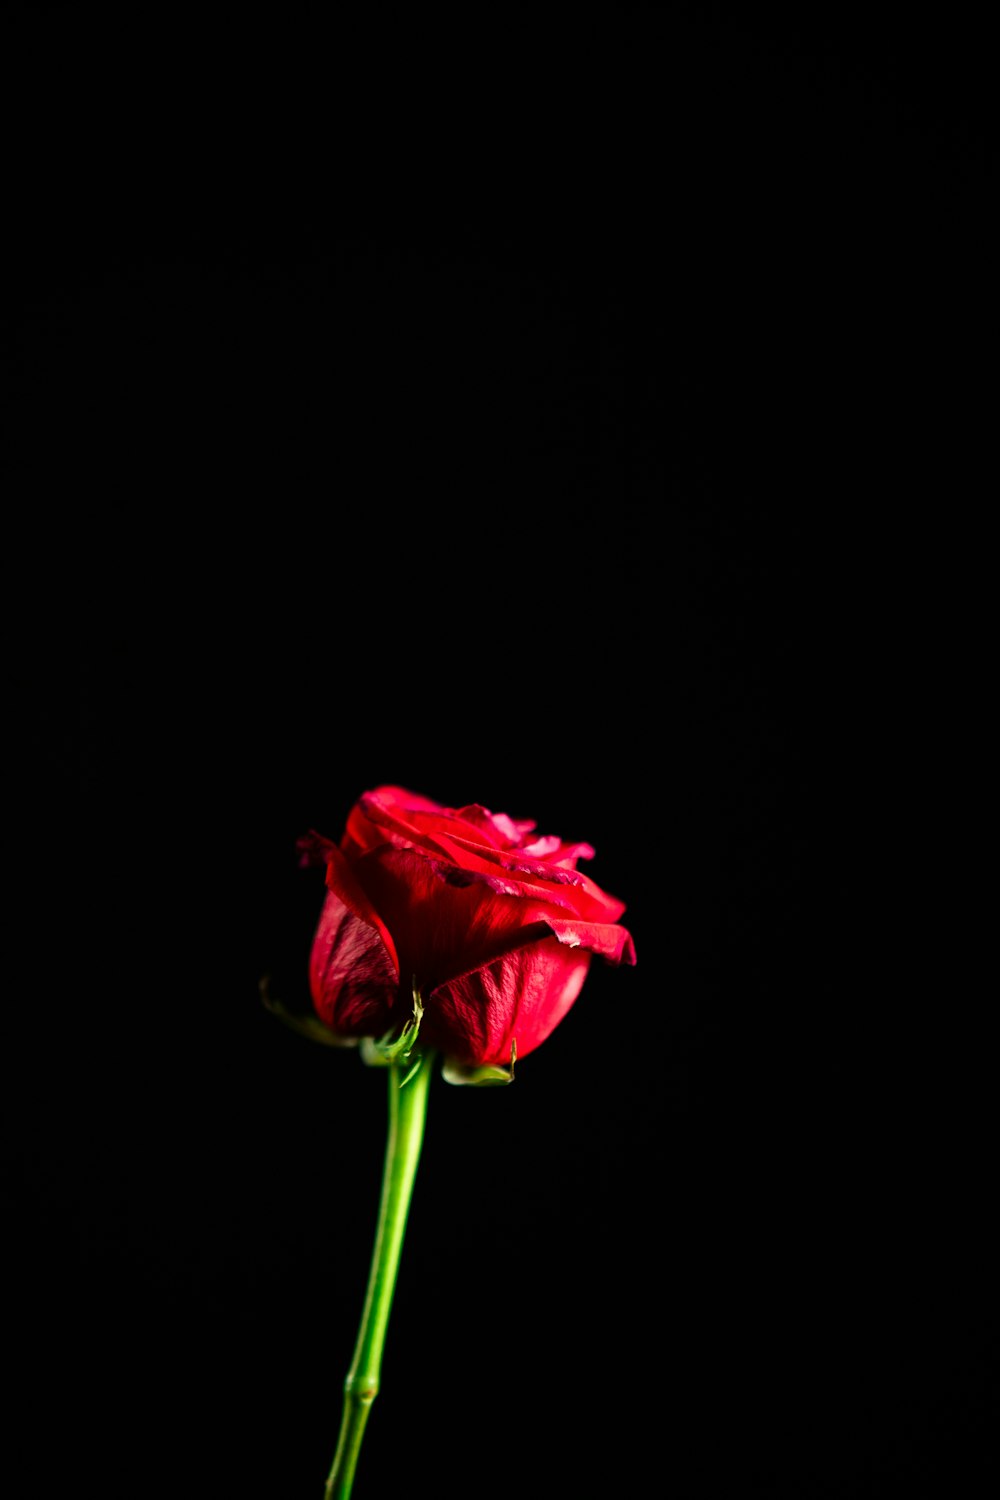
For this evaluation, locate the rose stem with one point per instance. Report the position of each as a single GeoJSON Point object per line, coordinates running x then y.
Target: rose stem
{"type": "Point", "coordinates": [407, 1113]}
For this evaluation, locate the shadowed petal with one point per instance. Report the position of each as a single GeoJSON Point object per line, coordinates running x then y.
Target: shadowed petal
{"type": "Point", "coordinates": [351, 972]}
{"type": "Point", "coordinates": [340, 878]}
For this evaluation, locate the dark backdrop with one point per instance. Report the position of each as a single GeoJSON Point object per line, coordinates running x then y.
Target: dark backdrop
{"type": "Point", "coordinates": [578, 423]}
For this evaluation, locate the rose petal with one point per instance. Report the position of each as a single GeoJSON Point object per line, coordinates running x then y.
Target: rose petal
{"type": "Point", "coordinates": [607, 939]}
{"type": "Point", "coordinates": [352, 975]}
{"type": "Point", "coordinates": [437, 938]}
{"type": "Point", "coordinates": [587, 898]}
{"type": "Point", "coordinates": [375, 820]}
{"type": "Point", "coordinates": [554, 851]}
{"type": "Point", "coordinates": [519, 998]}
{"type": "Point", "coordinates": [341, 879]}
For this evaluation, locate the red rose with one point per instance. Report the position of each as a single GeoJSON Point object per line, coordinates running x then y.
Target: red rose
{"type": "Point", "coordinates": [491, 923]}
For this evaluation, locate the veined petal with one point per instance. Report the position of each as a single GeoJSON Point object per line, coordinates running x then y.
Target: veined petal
{"type": "Point", "coordinates": [352, 974]}
{"type": "Point", "coordinates": [518, 998]}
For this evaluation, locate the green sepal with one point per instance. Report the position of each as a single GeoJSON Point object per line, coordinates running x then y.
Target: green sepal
{"type": "Point", "coordinates": [487, 1073]}
{"type": "Point", "coordinates": [371, 1053]}
{"type": "Point", "coordinates": [391, 1048]}
{"type": "Point", "coordinates": [309, 1026]}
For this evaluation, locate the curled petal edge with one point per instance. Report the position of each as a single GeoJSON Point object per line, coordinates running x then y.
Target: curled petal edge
{"type": "Point", "coordinates": [608, 940]}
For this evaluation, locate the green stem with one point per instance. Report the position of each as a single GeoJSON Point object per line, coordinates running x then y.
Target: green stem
{"type": "Point", "coordinates": [407, 1113]}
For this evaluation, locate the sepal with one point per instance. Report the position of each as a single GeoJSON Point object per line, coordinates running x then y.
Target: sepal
{"type": "Point", "coordinates": [306, 1024]}
{"type": "Point", "coordinates": [487, 1073]}
{"type": "Point", "coordinates": [390, 1048]}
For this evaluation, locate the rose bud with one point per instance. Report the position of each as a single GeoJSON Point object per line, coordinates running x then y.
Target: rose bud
{"type": "Point", "coordinates": [487, 928]}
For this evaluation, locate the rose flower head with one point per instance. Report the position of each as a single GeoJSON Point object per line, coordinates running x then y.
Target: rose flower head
{"type": "Point", "coordinates": [471, 915]}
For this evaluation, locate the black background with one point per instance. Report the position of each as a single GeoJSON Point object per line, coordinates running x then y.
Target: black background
{"type": "Point", "coordinates": [585, 422]}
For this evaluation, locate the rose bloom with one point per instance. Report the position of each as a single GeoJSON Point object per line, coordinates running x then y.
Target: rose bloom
{"type": "Point", "coordinates": [491, 923]}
